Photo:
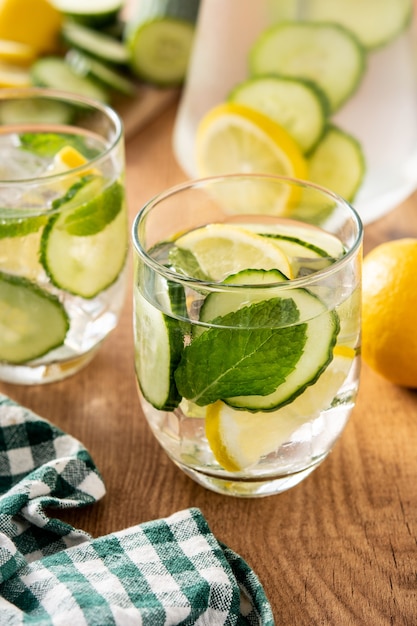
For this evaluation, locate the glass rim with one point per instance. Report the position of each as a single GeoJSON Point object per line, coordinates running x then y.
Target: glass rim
{"type": "Point", "coordinates": [45, 93]}
{"type": "Point", "coordinates": [193, 282]}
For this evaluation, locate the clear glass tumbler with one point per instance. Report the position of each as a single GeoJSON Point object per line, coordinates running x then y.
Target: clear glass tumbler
{"type": "Point", "coordinates": [247, 327]}
{"type": "Point", "coordinates": [63, 232]}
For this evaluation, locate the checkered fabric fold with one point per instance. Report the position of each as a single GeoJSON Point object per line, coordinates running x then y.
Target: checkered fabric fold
{"type": "Point", "coordinates": [163, 572]}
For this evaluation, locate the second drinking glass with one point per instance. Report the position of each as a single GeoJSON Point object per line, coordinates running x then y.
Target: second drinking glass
{"type": "Point", "coordinates": [63, 232]}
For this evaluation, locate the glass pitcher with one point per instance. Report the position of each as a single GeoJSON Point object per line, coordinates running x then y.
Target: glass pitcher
{"type": "Point", "coordinates": [381, 112]}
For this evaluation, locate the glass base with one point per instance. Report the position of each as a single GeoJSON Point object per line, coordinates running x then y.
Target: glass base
{"type": "Point", "coordinates": [43, 373]}
{"type": "Point", "coordinates": [241, 488]}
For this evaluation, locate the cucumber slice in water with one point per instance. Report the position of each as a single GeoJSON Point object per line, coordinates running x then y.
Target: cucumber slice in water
{"type": "Point", "coordinates": [308, 249]}
{"type": "Point", "coordinates": [318, 240]}
{"type": "Point", "coordinates": [32, 321]}
{"type": "Point", "coordinates": [325, 53]}
{"type": "Point", "coordinates": [338, 163]}
{"type": "Point", "coordinates": [298, 105]}
{"type": "Point", "coordinates": [374, 22]}
{"type": "Point", "coordinates": [55, 72]}
{"type": "Point", "coordinates": [159, 346]}
{"type": "Point", "coordinates": [84, 247]}
{"type": "Point", "coordinates": [322, 327]}
{"type": "Point", "coordinates": [160, 38]}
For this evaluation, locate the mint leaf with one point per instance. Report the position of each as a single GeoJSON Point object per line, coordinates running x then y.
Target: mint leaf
{"type": "Point", "coordinates": [184, 262]}
{"type": "Point", "coordinates": [48, 144]}
{"type": "Point", "coordinates": [248, 358]}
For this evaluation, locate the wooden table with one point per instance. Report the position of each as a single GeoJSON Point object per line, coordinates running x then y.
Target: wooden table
{"type": "Point", "coordinates": [340, 549]}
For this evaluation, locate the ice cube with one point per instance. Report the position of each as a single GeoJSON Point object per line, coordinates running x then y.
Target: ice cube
{"type": "Point", "coordinates": [18, 164]}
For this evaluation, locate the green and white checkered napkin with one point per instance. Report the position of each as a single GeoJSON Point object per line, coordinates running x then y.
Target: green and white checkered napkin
{"type": "Point", "coordinates": [167, 571]}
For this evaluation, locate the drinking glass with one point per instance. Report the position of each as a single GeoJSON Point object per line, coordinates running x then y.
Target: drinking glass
{"type": "Point", "coordinates": [247, 327]}
{"type": "Point", "coordinates": [63, 232]}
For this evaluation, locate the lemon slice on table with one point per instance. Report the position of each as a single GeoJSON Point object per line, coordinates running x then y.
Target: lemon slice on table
{"type": "Point", "coordinates": [239, 439]}
{"type": "Point", "coordinates": [232, 138]}
{"type": "Point", "coordinates": [224, 249]}
{"type": "Point", "coordinates": [16, 52]}
{"type": "Point", "coordinates": [12, 75]}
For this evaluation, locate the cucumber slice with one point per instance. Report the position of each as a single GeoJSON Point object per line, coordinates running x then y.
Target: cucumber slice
{"type": "Point", "coordinates": [296, 104]}
{"type": "Point", "coordinates": [338, 163]}
{"type": "Point", "coordinates": [38, 111]}
{"type": "Point", "coordinates": [317, 240]}
{"type": "Point", "coordinates": [32, 321]}
{"type": "Point", "coordinates": [84, 247]}
{"type": "Point", "coordinates": [96, 43]}
{"type": "Point", "coordinates": [308, 250]}
{"type": "Point", "coordinates": [304, 258]}
{"type": "Point", "coordinates": [88, 206]}
{"type": "Point", "coordinates": [159, 345]}
{"type": "Point", "coordinates": [325, 53]}
{"type": "Point", "coordinates": [322, 328]}
{"type": "Point", "coordinates": [85, 65]}
{"type": "Point", "coordinates": [96, 13]}
{"type": "Point", "coordinates": [54, 72]}
{"type": "Point", "coordinates": [374, 22]}
{"type": "Point", "coordinates": [160, 38]}
{"type": "Point", "coordinates": [218, 305]}
{"type": "Point", "coordinates": [20, 227]}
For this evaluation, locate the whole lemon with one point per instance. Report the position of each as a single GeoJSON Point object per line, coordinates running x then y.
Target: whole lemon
{"type": "Point", "coordinates": [389, 311]}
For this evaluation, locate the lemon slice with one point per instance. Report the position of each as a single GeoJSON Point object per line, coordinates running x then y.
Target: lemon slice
{"type": "Point", "coordinates": [233, 138]}
{"type": "Point", "coordinates": [16, 52]}
{"type": "Point", "coordinates": [12, 75]}
{"type": "Point", "coordinates": [239, 439]}
{"type": "Point", "coordinates": [68, 158]}
{"type": "Point", "coordinates": [224, 249]}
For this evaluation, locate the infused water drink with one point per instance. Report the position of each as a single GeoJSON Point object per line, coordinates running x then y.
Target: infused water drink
{"type": "Point", "coordinates": [247, 328]}
{"type": "Point", "coordinates": [63, 233]}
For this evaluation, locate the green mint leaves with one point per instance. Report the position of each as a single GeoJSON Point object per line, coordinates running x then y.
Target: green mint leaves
{"type": "Point", "coordinates": [184, 262]}
{"type": "Point", "coordinates": [48, 144]}
{"type": "Point", "coordinates": [251, 360]}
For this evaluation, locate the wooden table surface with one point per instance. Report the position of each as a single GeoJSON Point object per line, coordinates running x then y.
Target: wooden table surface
{"type": "Point", "coordinates": [340, 548]}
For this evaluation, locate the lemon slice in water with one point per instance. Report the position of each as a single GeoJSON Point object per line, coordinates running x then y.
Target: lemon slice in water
{"type": "Point", "coordinates": [224, 249]}
{"type": "Point", "coordinates": [239, 439]}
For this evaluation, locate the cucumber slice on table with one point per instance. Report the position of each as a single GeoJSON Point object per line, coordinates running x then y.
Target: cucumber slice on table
{"type": "Point", "coordinates": [85, 65]}
{"type": "Point", "coordinates": [32, 321]}
{"type": "Point", "coordinates": [159, 39]}
{"type": "Point", "coordinates": [338, 163]}
{"type": "Point", "coordinates": [84, 247]}
{"type": "Point", "coordinates": [159, 346]}
{"type": "Point", "coordinates": [55, 72]}
{"type": "Point", "coordinates": [96, 13]}
{"type": "Point", "coordinates": [21, 111]}
{"type": "Point", "coordinates": [322, 327]}
{"type": "Point", "coordinates": [325, 53]}
{"type": "Point", "coordinates": [96, 43]}
{"type": "Point", "coordinates": [374, 22]}
{"type": "Point", "coordinates": [298, 105]}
